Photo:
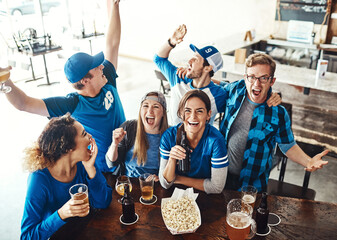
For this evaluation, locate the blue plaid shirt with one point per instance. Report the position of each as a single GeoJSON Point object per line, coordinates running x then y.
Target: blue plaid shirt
{"type": "Point", "coordinates": [269, 125]}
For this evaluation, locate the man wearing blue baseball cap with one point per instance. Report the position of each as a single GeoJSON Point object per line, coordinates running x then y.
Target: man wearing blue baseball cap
{"type": "Point", "coordinates": [202, 66]}
{"type": "Point", "coordinates": [96, 103]}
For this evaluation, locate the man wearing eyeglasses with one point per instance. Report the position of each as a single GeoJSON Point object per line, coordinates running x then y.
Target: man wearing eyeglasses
{"type": "Point", "coordinates": [252, 129]}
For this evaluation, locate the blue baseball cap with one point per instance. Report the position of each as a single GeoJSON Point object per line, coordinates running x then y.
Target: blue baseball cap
{"type": "Point", "coordinates": [211, 55]}
{"type": "Point", "coordinates": [79, 64]}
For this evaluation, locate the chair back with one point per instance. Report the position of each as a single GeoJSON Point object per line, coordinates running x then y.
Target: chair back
{"type": "Point", "coordinates": [164, 85]}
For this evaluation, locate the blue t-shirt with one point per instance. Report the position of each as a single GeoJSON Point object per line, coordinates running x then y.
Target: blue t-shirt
{"type": "Point", "coordinates": [209, 153]}
{"type": "Point", "coordinates": [45, 195]}
{"type": "Point", "coordinates": [152, 161]}
{"type": "Point", "coordinates": [99, 115]}
{"type": "Point", "coordinates": [180, 86]}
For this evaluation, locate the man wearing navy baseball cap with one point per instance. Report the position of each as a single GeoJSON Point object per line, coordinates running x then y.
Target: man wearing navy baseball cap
{"type": "Point", "coordinates": [96, 103]}
{"type": "Point", "coordinates": [201, 67]}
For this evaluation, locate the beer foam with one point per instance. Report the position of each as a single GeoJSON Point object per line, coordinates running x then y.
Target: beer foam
{"type": "Point", "coordinates": [248, 199]}
{"type": "Point", "coordinates": [238, 220]}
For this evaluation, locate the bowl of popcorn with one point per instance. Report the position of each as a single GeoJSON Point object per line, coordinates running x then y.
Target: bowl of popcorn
{"type": "Point", "coordinates": [180, 212]}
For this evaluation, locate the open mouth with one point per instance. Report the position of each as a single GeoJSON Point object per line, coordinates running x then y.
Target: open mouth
{"type": "Point", "coordinates": [256, 92]}
{"type": "Point", "coordinates": [193, 123]}
{"type": "Point", "coordinates": [150, 120]}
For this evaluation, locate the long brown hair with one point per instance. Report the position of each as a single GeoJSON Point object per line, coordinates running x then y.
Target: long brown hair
{"type": "Point", "coordinates": [57, 139]}
{"type": "Point", "coordinates": [141, 143]}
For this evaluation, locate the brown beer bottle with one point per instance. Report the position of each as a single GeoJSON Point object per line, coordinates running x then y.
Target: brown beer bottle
{"type": "Point", "coordinates": [262, 214]}
{"type": "Point", "coordinates": [128, 206]}
{"type": "Point", "coordinates": [184, 165]}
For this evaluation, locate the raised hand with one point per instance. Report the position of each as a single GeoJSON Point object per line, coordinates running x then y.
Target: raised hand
{"type": "Point", "coordinates": [118, 135]}
{"type": "Point", "coordinates": [178, 34]}
{"type": "Point", "coordinates": [316, 162]}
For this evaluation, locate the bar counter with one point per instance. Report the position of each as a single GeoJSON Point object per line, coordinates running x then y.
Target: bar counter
{"type": "Point", "coordinates": [300, 219]}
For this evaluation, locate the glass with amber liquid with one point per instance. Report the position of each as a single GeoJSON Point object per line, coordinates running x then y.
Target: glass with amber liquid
{"type": "Point", "coordinates": [121, 180]}
{"type": "Point", "coordinates": [4, 76]}
{"type": "Point", "coordinates": [146, 182]}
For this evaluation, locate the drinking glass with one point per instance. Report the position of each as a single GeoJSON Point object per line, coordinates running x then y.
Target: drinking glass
{"type": "Point", "coordinates": [146, 182]}
{"type": "Point", "coordinates": [4, 76]}
{"type": "Point", "coordinates": [239, 222]}
{"type": "Point", "coordinates": [249, 195]}
{"type": "Point", "coordinates": [121, 180]}
{"type": "Point", "coordinates": [80, 192]}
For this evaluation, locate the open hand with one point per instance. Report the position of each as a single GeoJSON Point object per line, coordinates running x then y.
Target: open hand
{"type": "Point", "coordinates": [316, 162]}
{"type": "Point", "coordinates": [178, 34]}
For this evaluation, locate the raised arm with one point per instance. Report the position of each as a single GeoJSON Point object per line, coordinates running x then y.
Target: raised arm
{"type": "Point", "coordinates": [176, 38]}
{"type": "Point", "coordinates": [117, 136]}
{"type": "Point", "coordinates": [113, 34]}
{"type": "Point", "coordinates": [25, 103]}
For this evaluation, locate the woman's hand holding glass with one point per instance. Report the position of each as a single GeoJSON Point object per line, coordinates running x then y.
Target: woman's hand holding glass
{"type": "Point", "coordinates": [74, 208]}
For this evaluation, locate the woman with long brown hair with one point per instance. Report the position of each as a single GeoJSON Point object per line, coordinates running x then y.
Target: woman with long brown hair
{"type": "Point", "coordinates": [208, 161]}
{"type": "Point", "coordinates": [63, 155]}
{"type": "Point", "coordinates": [136, 143]}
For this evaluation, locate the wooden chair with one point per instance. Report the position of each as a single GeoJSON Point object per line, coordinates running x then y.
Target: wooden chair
{"type": "Point", "coordinates": [164, 84]}
{"type": "Point", "coordinates": [281, 188]}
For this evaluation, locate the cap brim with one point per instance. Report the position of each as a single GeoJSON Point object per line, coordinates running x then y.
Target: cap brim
{"type": "Point", "coordinates": [98, 60]}
{"type": "Point", "coordinates": [195, 49]}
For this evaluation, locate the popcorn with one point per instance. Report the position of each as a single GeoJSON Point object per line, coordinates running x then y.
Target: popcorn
{"type": "Point", "coordinates": [181, 215]}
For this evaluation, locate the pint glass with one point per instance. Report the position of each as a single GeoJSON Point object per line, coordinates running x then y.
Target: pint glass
{"type": "Point", "coordinates": [239, 222]}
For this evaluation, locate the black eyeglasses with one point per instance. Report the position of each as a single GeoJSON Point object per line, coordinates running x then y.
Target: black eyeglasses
{"type": "Point", "coordinates": [263, 79]}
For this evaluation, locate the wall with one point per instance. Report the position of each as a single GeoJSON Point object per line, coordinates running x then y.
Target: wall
{"type": "Point", "coordinates": [149, 23]}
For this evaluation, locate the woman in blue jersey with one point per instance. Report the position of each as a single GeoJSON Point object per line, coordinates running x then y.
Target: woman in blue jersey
{"type": "Point", "coordinates": [59, 159]}
{"type": "Point", "coordinates": [208, 166]}
{"type": "Point", "coordinates": [135, 144]}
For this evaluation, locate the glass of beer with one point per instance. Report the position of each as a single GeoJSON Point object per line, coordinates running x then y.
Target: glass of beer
{"type": "Point", "coordinates": [121, 180]}
{"type": "Point", "coordinates": [249, 195]}
{"type": "Point", "coordinates": [4, 76]}
{"type": "Point", "coordinates": [146, 182]}
{"type": "Point", "coordinates": [80, 192]}
{"type": "Point", "coordinates": [239, 222]}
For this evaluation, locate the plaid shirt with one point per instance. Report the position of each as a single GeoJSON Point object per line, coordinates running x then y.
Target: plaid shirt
{"type": "Point", "coordinates": [269, 125]}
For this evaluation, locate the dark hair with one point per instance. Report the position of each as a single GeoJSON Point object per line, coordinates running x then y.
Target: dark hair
{"type": "Point", "coordinates": [78, 85]}
{"type": "Point", "coordinates": [205, 64]}
{"type": "Point", "coordinates": [57, 139]}
{"type": "Point", "coordinates": [190, 94]}
{"type": "Point", "coordinates": [263, 59]}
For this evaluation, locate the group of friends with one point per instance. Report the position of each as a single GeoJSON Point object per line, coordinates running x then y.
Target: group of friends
{"type": "Point", "coordinates": [88, 134]}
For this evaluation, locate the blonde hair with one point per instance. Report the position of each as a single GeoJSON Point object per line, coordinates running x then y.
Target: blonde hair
{"type": "Point", "coordinates": [141, 143]}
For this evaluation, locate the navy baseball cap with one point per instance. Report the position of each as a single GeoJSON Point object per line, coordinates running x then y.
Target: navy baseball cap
{"type": "Point", "coordinates": [79, 64]}
{"type": "Point", "coordinates": [211, 55]}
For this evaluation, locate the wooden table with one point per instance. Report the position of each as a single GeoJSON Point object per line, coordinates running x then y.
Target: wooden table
{"type": "Point", "coordinates": [300, 219]}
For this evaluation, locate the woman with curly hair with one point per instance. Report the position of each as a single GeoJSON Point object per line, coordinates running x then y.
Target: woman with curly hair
{"type": "Point", "coordinates": [63, 155]}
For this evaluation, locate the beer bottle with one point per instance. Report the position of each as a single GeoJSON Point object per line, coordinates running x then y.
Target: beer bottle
{"type": "Point", "coordinates": [128, 206]}
{"type": "Point", "coordinates": [262, 214]}
{"type": "Point", "coordinates": [184, 165]}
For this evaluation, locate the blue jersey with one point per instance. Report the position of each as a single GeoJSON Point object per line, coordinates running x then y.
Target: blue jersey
{"type": "Point", "coordinates": [46, 195]}
{"type": "Point", "coordinates": [209, 153]}
{"type": "Point", "coordinates": [152, 161]}
{"type": "Point", "coordinates": [180, 86]}
{"type": "Point", "coordinates": [99, 115]}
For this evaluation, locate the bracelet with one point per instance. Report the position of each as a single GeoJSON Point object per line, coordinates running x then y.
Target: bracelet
{"type": "Point", "coordinates": [171, 45]}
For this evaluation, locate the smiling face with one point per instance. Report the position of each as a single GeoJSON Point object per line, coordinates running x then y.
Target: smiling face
{"type": "Point", "coordinates": [195, 116]}
{"type": "Point", "coordinates": [83, 140]}
{"type": "Point", "coordinates": [151, 113]}
{"type": "Point", "coordinates": [257, 92]}
{"type": "Point", "coordinates": [196, 66]}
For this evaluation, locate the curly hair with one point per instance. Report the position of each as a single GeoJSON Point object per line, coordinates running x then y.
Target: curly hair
{"type": "Point", "coordinates": [57, 139]}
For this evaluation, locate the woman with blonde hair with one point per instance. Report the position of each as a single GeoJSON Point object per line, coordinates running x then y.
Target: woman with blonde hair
{"type": "Point", "coordinates": [135, 144]}
{"type": "Point", "coordinates": [63, 156]}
